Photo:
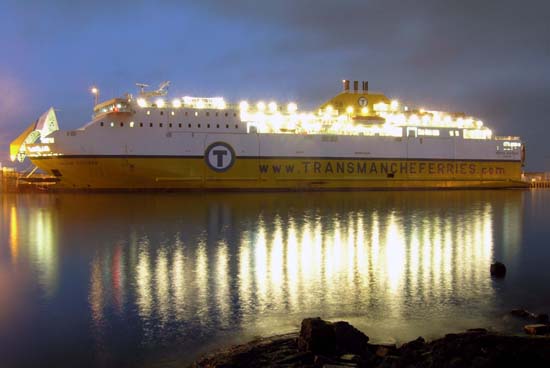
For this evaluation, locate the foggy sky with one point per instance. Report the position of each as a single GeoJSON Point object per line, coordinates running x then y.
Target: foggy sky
{"type": "Point", "coordinates": [490, 59]}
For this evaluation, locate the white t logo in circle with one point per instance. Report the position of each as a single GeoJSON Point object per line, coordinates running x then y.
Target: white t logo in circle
{"type": "Point", "coordinates": [362, 101]}
{"type": "Point", "coordinates": [219, 156]}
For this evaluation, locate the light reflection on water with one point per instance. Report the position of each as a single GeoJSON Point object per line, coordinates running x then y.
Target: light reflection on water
{"type": "Point", "coordinates": [149, 273]}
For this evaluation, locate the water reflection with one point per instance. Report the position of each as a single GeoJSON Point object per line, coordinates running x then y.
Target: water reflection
{"type": "Point", "coordinates": [182, 268]}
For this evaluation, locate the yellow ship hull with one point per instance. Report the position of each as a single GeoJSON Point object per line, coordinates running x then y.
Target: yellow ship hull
{"type": "Point", "coordinates": [253, 173]}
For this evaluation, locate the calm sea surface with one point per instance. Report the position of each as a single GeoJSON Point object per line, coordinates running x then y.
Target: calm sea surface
{"type": "Point", "coordinates": [157, 279]}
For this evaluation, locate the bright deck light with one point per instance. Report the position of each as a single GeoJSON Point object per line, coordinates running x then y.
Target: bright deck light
{"type": "Point", "coordinates": [243, 106]}
{"type": "Point", "coordinates": [349, 109]}
{"type": "Point", "coordinates": [272, 106]}
{"type": "Point", "coordinates": [394, 105]}
{"type": "Point", "coordinates": [176, 103]}
{"type": "Point", "coordinates": [292, 107]}
{"type": "Point", "coordinates": [159, 102]}
{"type": "Point", "coordinates": [141, 102]}
{"type": "Point", "coordinates": [261, 106]}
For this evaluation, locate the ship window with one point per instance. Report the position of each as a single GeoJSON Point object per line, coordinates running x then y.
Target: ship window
{"type": "Point", "coordinates": [216, 114]}
{"type": "Point", "coordinates": [189, 125]}
{"type": "Point", "coordinates": [148, 112]}
{"type": "Point", "coordinates": [186, 113]}
{"type": "Point", "coordinates": [218, 126]}
{"type": "Point", "coordinates": [226, 114]}
{"type": "Point", "coordinates": [227, 126]}
{"type": "Point", "coordinates": [170, 125]}
{"type": "Point", "coordinates": [196, 113]}
{"type": "Point", "coordinates": [112, 124]}
{"type": "Point", "coordinates": [101, 124]}
{"type": "Point", "coordinates": [199, 125]}
{"type": "Point", "coordinates": [452, 133]}
{"type": "Point", "coordinates": [236, 126]}
{"type": "Point", "coordinates": [160, 125]}
{"type": "Point", "coordinates": [131, 124]}
{"type": "Point", "coordinates": [141, 125]}
{"type": "Point", "coordinates": [150, 125]}
{"type": "Point", "coordinates": [208, 125]}
{"type": "Point", "coordinates": [162, 112]}
{"type": "Point", "coordinates": [207, 113]}
{"type": "Point", "coordinates": [171, 112]}
{"type": "Point", "coordinates": [234, 114]}
{"type": "Point", "coordinates": [121, 124]}
{"type": "Point", "coordinates": [179, 125]}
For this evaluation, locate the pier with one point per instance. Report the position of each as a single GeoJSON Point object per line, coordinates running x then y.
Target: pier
{"type": "Point", "coordinates": [538, 179]}
{"type": "Point", "coordinates": [12, 181]}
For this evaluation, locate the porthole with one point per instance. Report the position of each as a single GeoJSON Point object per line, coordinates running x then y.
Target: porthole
{"type": "Point", "coordinates": [160, 125]}
{"type": "Point", "coordinates": [196, 113]}
{"type": "Point", "coordinates": [227, 126]}
{"type": "Point", "coordinates": [121, 124]}
{"type": "Point", "coordinates": [208, 126]}
{"type": "Point", "coordinates": [170, 125]}
{"type": "Point", "coordinates": [218, 126]}
{"type": "Point", "coordinates": [162, 112]}
{"type": "Point", "coordinates": [150, 125]}
{"type": "Point", "coordinates": [101, 124]}
{"type": "Point", "coordinates": [141, 125]}
{"type": "Point", "coordinates": [179, 125]}
{"type": "Point", "coordinates": [198, 125]}
{"type": "Point", "coordinates": [189, 125]}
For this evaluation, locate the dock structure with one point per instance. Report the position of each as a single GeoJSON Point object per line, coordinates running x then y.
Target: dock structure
{"type": "Point", "coordinates": [12, 181]}
{"type": "Point", "coordinates": [538, 179]}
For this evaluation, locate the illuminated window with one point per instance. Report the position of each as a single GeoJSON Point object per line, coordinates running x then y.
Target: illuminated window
{"type": "Point", "coordinates": [148, 112]}
{"type": "Point", "coordinates": [171, 112]}
{"type": "Point", "coordinates": [196, 113]}
{"type": "Point", "coordinates": [112, 124]}
{"type": "Point", "coordinates": [131, 124]}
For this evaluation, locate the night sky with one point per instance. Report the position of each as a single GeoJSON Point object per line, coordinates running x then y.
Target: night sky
{"type": "Point", "coordinates": [490, 59]}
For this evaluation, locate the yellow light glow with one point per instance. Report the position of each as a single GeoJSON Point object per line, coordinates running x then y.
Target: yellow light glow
{"type": "Point", "coordinates": [141, 102]}
{"type": "Point", "coordinates": [380, 107]}
{"type": "Point", "coordinates": [160, 102]}
{"type": "Point", "coordinates": [243, 106]}
{"type": "Point", "coordinates": [422, 111]}
{"type": "Point", "coordinates": [329, 109]}
{"type": "Point", "coordinates": [394, 105]}
{"type": "Point", "coordinates": [200, 104]}
{"type": "Point", "coordinates": [94, 90]}
{"type": "Point", "coordinates": [292, 107]}
{"type": "Point", "coordinates": [176, 103]}
{"type": "Point", "coordinates": [272, 106]}
{"type": "Point", "coordinates": [349, 109]}
{"type": "Point", "coordinates": [261, 106]}
{"type": "Point", "coordinates": [364, 110]}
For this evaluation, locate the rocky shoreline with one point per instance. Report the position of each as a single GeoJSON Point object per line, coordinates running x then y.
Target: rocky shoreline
{"type": "Point", "coordinates": [338, 344]}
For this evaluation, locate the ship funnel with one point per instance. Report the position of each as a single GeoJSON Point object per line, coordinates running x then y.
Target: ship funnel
{"type": "Point", "coordinates": [355, 86]}
{"type": "Point", "coordinates": [365, 86]}
{"type": "Point", "coordinates": [345, 82]}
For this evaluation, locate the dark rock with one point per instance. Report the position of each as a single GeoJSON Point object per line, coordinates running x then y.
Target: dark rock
{"type": "Point", "coordinates": [520, 313]}
{"type": "Point", "coordinates": [317, 336]}
{"type": "Point", "coordinates": [498, 269]}
{"type": "Point", "coordinates": [419, 343]}
{"type": "Point", "coordinates": [321, 361]}
{"type": "Point", "coordinates": [477, 330]}
{"type": "Point", "coordinates": [382, 351]}
{"type": "Point", "coordinates": [351, 358]}
{"type": "Point", "coordinates": [349, 339]}
{"type": "Point", "coordinates": [298, 357]}
{"type": "Point", "coordinates": [537, 329]}
{"type": "Point", "coordinates": [541, 318]}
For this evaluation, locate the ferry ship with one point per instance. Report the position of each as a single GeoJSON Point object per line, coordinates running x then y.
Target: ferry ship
{"type": "Point", "coordinates": [359, 139]}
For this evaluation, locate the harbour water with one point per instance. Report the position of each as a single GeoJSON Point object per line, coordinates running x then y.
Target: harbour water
{"type": "Point", "coordinates": [157, 279]}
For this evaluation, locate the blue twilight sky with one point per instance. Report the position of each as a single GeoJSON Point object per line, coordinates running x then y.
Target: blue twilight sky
{"type": "Point", "coordinates": [489, 58]}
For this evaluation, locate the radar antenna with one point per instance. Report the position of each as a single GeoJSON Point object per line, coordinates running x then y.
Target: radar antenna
{"type": "Point", "coordinates": [161, 91]}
